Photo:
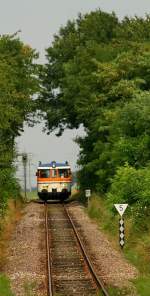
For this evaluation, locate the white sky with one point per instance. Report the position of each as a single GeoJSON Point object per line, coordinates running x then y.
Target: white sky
{"type": "Point", "coordinates": [38, 21]}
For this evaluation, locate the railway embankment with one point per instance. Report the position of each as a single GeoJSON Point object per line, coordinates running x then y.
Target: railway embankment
{"type": "Point", "coordinates": [25, 256]}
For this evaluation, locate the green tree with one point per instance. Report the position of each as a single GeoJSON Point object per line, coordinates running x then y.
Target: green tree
{"type": "Point", "coordinates": [66, 77]}
{"type": "Point", "coordinates": [18, 84]}
{"type": "Point", "coordinates": [97, 75]}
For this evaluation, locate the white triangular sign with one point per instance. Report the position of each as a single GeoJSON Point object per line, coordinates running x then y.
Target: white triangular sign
{"type": "Point", "coordinates": [121, 208]}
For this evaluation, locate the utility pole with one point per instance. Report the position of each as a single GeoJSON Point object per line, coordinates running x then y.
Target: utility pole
{"type": "Point", "coordinates": [29, 163]}
{"type": "Point", "coordinates": [24, 160]}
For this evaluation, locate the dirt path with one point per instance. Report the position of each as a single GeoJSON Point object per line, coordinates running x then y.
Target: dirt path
{"type": "Point", "coordinates": [26, 265]}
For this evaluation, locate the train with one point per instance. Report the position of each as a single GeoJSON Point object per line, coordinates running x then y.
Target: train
{"type": "Point", "coordinates": [54, 181]}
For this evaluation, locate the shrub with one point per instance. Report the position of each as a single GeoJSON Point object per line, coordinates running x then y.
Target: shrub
{"type": "Point", "coordinates": [9, 187]}
{"type": "Point", "coordinates": [131, 186]}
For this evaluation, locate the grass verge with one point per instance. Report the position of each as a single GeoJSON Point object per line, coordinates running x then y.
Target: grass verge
{"type": "Point", "coordinates": [137, 246]}
{"type": "Point", "coordinates": [5, 289]}
{"type": "Point", "coordinates": [7, 224]}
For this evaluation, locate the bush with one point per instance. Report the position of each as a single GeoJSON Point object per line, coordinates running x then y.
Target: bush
{"type": "Point", "coordinates": [9, 187]}
{"type": "Point", "coordinates": [131, 186]}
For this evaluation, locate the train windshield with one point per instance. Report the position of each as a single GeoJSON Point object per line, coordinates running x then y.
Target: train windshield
{"type": "Point", "coordinates": [54, 173]}
{"type": "Point", "coordinates": [64, 173]}
{"type": "Point", "coordinates": [44, 173]}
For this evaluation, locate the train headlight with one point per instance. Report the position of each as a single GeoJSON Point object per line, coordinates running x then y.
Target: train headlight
{"type": "Point", "coordinates": [54, 164]}
{"type": "Point", "coordinates": [45, 187]}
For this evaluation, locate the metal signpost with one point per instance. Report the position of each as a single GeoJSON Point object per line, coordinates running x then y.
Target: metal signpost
{"type": "Point", "coordinates": [24, 160]}
{"type": "Point", "coordinates": [88, 194]}
{"type": "Point", "coordinates": [121, 209]}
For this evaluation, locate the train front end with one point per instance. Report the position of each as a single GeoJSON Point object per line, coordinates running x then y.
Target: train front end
{"type": "Point", "coordinates": [54, 181]}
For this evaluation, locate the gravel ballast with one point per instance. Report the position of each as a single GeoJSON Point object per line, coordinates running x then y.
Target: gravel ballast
{"type": "Point", "coordinates": [26, 259]}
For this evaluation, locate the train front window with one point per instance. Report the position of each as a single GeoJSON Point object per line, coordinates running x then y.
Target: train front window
{"type": "Point", "coordinates": [54, 173]}
{"type": "Point", "coordinates": [63, 173]}
{"type": "Point", "coordinates": [44, 173]}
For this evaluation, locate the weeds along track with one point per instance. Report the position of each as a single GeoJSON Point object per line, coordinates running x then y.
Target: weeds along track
{"type": "Point", "coordinates": [70, 272]}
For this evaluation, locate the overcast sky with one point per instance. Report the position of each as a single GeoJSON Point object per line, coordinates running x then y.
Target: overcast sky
{"type": "Point", "coordinates": [38, 21]}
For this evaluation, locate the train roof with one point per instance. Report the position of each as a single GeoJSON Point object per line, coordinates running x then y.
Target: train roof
{"type": "Point", "coordinates": [54, 164]}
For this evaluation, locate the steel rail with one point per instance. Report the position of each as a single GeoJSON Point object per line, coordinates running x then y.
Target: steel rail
{"type": "Point", "coordinates": [49, 270]}
{"type": "Point", "coordinates": [98, 281]}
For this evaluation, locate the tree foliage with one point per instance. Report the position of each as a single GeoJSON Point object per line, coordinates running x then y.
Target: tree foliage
{"type": "Point", "coordinates": [67, 75]}
{"type": "Point", "coordinates": [18, 84]}
{"type": "Point", "coordinates": [131, 186]}
{"type": "Point", "coordinates": [97, 74]}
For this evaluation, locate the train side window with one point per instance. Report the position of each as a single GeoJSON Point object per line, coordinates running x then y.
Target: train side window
{"type": "Point", "coordinates": [54, 173]}
{"type": "Point", "coordinates": [63, 173]}
{"type": "Point", "coordinates": [44, 173]}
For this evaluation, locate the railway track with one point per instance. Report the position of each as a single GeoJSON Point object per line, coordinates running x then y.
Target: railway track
{"type": "Point", "coordinates": [70, 272]}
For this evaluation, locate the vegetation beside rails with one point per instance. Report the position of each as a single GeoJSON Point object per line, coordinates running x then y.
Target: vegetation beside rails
{"type": "Point", "coordinates": [29, 288]}
{"type": "Point", "coordinates": [5, 289]}
{"type": "Point", "coordinates": [7, 223]}
{"type": "Point", "coordinates": [30, 195]}
{"type": "Point", "coordinates": [137, 239]}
